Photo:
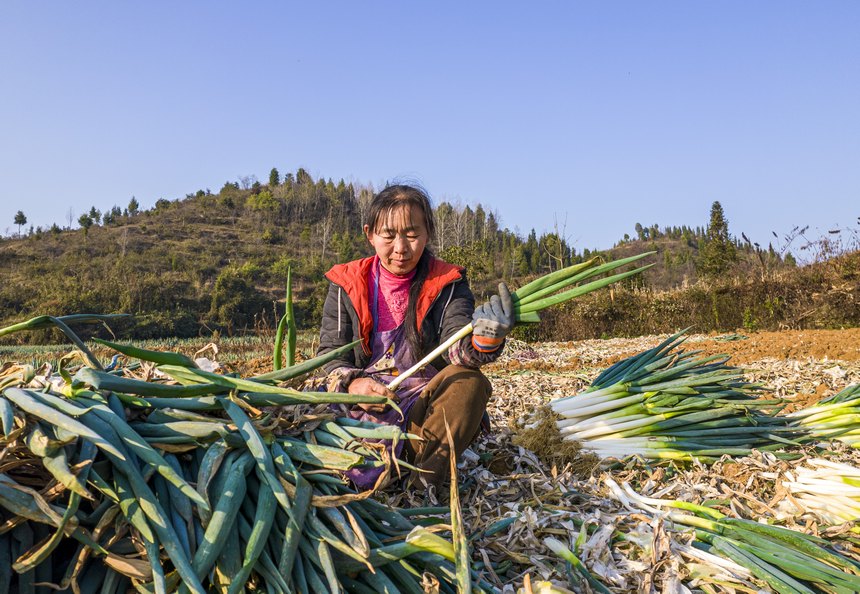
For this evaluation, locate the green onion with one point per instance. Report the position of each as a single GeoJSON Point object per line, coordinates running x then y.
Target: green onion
{"type": "Point", "coordinates": [668, 404]}
{"type": "Point", "coordinates": [828, 489]}
{"type": "Point", "coordinates": [834, 418]}
{"type": "Point", "coordinates": [538, 295]}
{"type": "Point", "coordinates": [786, 560]}
{"type": "Point", "coordinates": [269, 509]}
{"type": "Point", "coordinates": [287, 326]}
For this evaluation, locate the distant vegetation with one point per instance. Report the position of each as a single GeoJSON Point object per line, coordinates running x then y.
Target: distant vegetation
{"type": "Point", "coordinates": [216, 263]}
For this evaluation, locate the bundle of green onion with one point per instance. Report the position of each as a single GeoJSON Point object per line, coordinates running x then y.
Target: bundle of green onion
{"type": "Point", "coordinates": [835, 417]}
{"type": "Point", "coordinates": [213, 483]}
{"type": "Point", "coordinates": [672, 405]}
{"type": "Point", "coordinates": [542, 293]}
{"type": "Point", "coordinates": [787, 561]}
{"type": "Point", "coordinates": [828, 489]}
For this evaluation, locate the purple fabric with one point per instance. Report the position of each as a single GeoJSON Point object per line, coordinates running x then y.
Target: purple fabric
{"type": "Point", "coordinates": [391, 356]}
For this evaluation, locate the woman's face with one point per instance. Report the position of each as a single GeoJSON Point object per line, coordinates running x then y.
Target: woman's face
{"type": "Point", "coordinates": [399, 239]}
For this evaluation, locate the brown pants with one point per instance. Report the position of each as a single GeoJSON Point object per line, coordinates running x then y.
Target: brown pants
{"type": "Point", "coordinates": [458, 395]}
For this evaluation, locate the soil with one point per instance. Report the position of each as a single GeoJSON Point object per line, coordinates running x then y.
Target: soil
{"type": "Point", "coordinates": [842, 345]}
{"type": "Point", "coordinates": [802, 366]}
{"type": "Point", "coordinates": [745, 348]}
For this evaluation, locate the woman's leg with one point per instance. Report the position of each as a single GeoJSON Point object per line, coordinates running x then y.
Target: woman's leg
{"type": "Point", "coordinates": [458, 395]}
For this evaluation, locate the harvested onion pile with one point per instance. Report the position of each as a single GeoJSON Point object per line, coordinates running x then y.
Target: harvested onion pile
{"type": "Point", "coordinates": [668, 404]}
{"type": "Point", "coordinates": [209, 483]}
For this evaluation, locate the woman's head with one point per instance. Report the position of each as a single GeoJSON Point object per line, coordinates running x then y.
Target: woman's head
{"type": "Point", "coordinates": [399, 226]}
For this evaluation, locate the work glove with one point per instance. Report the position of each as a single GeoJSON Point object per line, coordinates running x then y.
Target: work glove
{"type": "Point", "coordinates": [493, 320]}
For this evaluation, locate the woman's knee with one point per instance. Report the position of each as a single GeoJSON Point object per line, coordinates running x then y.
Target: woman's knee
{"type": "Point", "coordinates": [465, 381]}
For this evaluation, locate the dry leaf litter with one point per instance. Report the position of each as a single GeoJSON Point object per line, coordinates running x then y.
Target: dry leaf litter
{"type": "Point", "coordinates": [513, 498]}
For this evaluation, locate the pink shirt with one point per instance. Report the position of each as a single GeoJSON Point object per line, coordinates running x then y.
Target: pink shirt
{"type": "Point", "coordinates": [393, 297]}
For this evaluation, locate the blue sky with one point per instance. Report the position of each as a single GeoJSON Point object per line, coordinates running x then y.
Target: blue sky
{"type": "Point", "coordinates": [592, 116]}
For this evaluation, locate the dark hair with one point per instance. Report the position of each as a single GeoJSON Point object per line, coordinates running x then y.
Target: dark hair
{"type": "Point", "coordinates": [395, 196]}
{"type": "Point", "coordinates": [389, 199]}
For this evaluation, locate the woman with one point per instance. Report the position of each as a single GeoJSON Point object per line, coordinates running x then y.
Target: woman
{"type": "Point", "coordinates": [402, 303]}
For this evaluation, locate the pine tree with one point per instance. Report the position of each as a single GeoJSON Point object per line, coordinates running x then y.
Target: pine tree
{"type": "Point", "coordinates": [20, 219]}
{"type": "Point", "coordinates": [274, 178]}
{"type": "Point", "coordinates": [133, 206]}
{"type": "Point", "coordinates": [718, 253]}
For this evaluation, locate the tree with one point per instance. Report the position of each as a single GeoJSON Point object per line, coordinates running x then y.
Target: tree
{"type": "Point", "coordinates": [85, 221]}
{"type": "Point", "coordinates": [235, 301]}
{"type": "Point", "coordinates": [133, 206]}
{"type": "Point", "coordinates": [303, 177]}
{"type": "Point", "coordinates": [274, 178]}
{"type": "Point", "coordinates": [266, 205]}
{"type": "Point", "coordinates": [95, 215]}
{"type": "Point", "coordinates": [718, 252]}
{"type": "Point", "coordinates": [112, 216]}
{"type": "Point", "coordinates": [246, 181]}
{"type": "Point", "coordinates": [20, 219]}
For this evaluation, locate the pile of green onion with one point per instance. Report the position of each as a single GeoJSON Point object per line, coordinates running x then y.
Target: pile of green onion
{"type": "Point", "coordinates": [668, 404]}
{"type": "Point", "coordinates": [828, 489]}
{"type": "Point", "coordinates": [787, 561]}
{"type": "Point", "coordinates": [207, 483]}
{"type": "Point", "coordinates": [835, 417]}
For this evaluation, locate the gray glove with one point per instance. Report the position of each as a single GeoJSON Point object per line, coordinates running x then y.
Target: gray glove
{"type": "Point", "coordinates": [493, 320]}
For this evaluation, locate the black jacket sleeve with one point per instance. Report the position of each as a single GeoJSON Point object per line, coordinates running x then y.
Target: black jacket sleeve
{"type": "Point", "coordinates": [339, 327]}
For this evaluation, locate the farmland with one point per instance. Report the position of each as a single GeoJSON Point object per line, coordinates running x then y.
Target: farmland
{"type": "Point", "coordinates": [514, 499]}
{"type": "Point", "coordinates": [556, 500]}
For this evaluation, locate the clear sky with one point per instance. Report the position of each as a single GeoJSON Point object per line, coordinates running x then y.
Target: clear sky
{"type": "Point", "coordinates": [590, 115]}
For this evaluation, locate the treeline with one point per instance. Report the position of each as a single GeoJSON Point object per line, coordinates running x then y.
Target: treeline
{"type": "Point", "coordinates": [821, 295]}
{"type": "Point", "coordinates": [217, 262]}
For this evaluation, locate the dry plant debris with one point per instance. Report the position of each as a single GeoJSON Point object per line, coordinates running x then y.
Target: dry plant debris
{"type": "Point", "coordinates": [513, 499]}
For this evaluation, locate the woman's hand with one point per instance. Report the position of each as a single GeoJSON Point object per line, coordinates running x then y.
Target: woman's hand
{"type": "Point", "coordinates": [368, 387]}
{"type": "Point", "coordinates": [493, 320]}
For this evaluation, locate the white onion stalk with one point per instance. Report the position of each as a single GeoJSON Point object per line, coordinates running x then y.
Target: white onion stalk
{"type": "Point", "coordinates": [618, 428]}
{"type": "Point", "coordinates": [598, 407]}
{"type": "Point", "coordinates": [836, 417]}
{"type": "Point", "coordinates": [581, 424]}
{"type": "Point", "coordinates": [735, 571]}
{"type": "Point", "coordinates": [786, 560]}
{"type": "Point", "coordinates": [830, 490]}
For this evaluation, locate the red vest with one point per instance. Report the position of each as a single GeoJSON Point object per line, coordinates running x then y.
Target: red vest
{"type": "Point", "coordinates": [353, 277]}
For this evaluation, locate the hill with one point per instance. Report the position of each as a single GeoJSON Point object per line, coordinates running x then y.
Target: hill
{"type": "Point", "coordinates": [210, 263]}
